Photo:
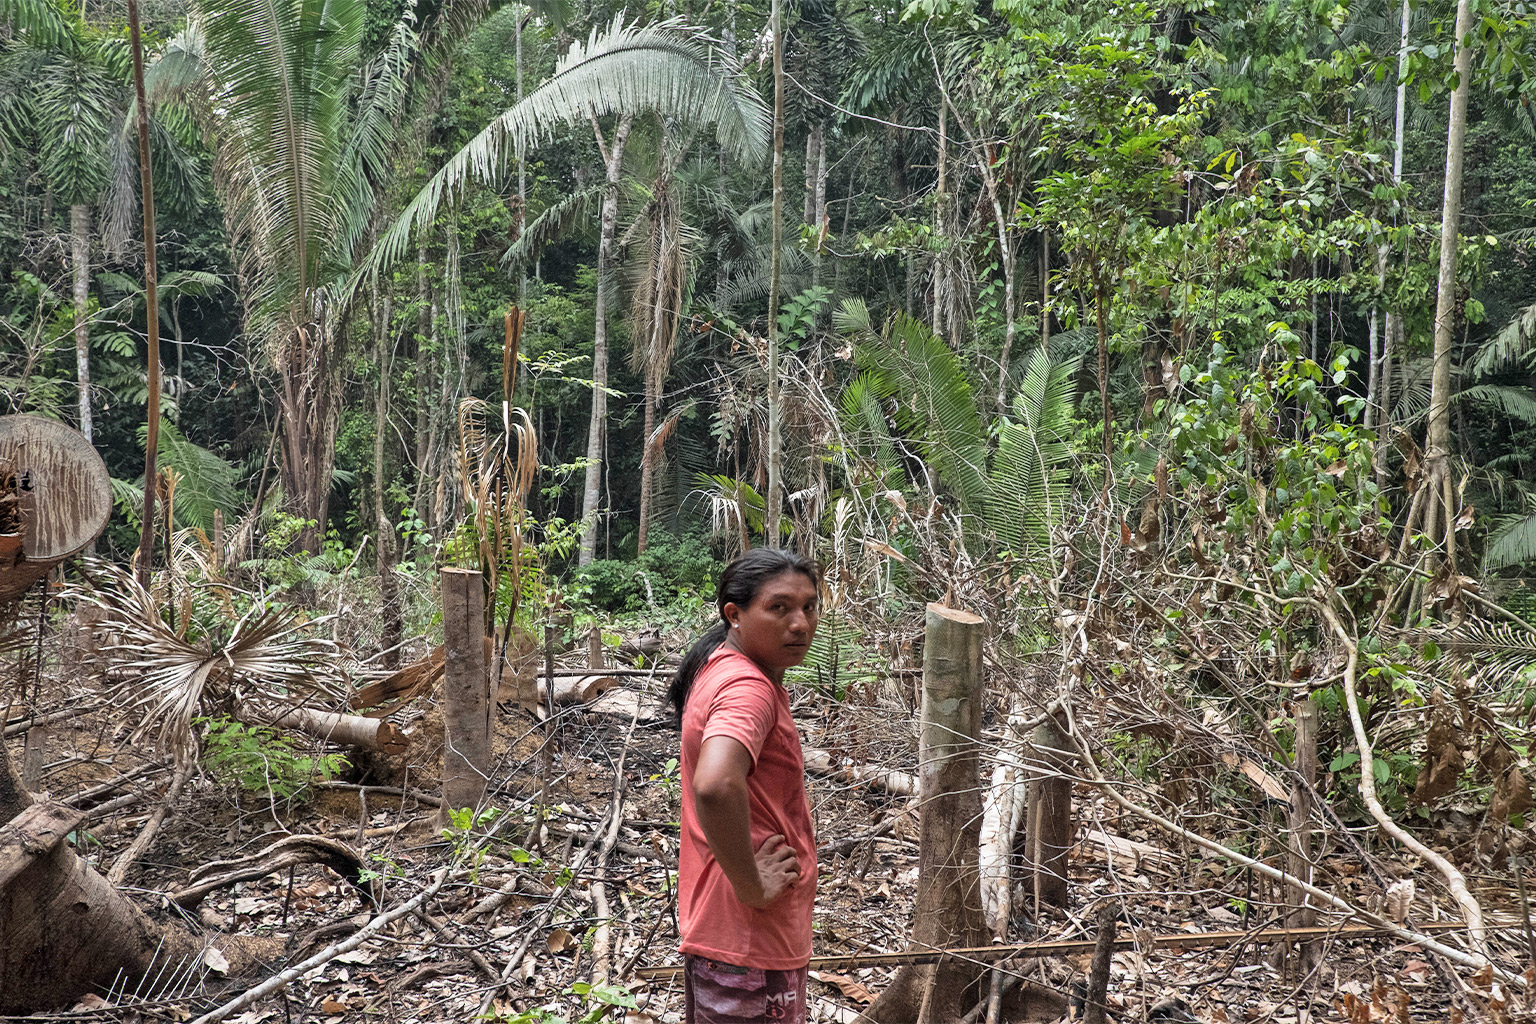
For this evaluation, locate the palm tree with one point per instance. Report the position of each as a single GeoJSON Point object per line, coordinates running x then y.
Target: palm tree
{"type": "Point", "coordinates": [62, 95]}
{"type": "Point", "coordinates": [621, 71]}
{"type": "Point", "coordinates": [304, 122]}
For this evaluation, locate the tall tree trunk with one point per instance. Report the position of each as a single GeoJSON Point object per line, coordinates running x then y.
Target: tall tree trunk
{"type": "Point", "coordinates": [151, 303]}
{"type": "Point", "coordinates": [775, 495]}
{"type": "Point", "coordinates": [613, 159]}
{"type": "Point", "coordinates": [309, 420]}
{"type": "Point", "coordinates": [424, 387]}
{"type": "Point", "coordinates": [1392, 329]}
{"type": "Point", "coordinates": [384, 550]}
{"type": "Point", "coordinates": [1438, 441]}
{"type": "Point", "coordinates": [80, 258]}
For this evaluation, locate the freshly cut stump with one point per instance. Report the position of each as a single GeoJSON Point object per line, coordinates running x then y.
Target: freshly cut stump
{"type": "Point", "coordinates": [948, 911]}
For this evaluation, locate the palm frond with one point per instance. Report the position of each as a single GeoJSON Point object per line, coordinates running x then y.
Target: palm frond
{"type": "Point", "coordinates": [563, 217]}
{"type": "Point", "coordinates": [41, 21]}
{"type": "Point", "coordinates": [864, 422]}
{"type": "Point", "coordinates": [269, 653]}
{"type": "Point", "coordinates": [1517, 403]}
{"type": "Point", "coordinates": [1031, 469]}
{"type": "Point", "coordinates": [206, 482]}
{"type": "Point", "coordinates": [282, 71]}
{"type": "Point", "coordinates": [935, 403]}
{"type": "Point", "coordinates": [1515, 344]}
{"type": "Point", "coordinates": [623, 69]}
{"type": "Point", "coordinates": [1513, 539]}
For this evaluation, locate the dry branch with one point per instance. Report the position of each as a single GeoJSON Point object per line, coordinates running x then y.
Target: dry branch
{"type": "Point", "coordinates": [1471, 911]}
{"type": "Point", "coordinates": [1418, 936]}
{"type": "Point", "coordinates": [142, 841]}
{"type": "Point", "coordinates": [279, 981]}
{"type": "Point", "coordinates": [287, 852]}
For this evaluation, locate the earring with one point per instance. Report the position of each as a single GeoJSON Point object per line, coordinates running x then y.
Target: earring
{"type": "Point", "coordinates": [735, 625]}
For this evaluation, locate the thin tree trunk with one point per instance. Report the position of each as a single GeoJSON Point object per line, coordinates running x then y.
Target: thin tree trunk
{"type": "Point", "coordinates": [1438, 442]}
{"type": "Point", "coordinates": [80, 257]}
{"type": "Point", "coordinates": [775, 495]}
{"type": "Point", "coordinates": [1392, 329]}
{"type": "Point", "coordinates": [613, 159]}
{"type": "Point", "coordinates": [151, 302]}
{"type": "Point", "coordinates": [647, 469]}
{"type": "Point", "coordinates": [1099, 299]}
{"type": "Point", "coordinates": [1045, 289]}
{"type": "Point", "coordinates": [389, 587]}
{"type": "Point", "coordinates": [424, 386]}
{"type": "Point", "coordinates": [522, 164]}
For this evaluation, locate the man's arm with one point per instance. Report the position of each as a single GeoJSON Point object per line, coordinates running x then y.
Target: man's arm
{"type": "Point", "coordinates": [720, 801]}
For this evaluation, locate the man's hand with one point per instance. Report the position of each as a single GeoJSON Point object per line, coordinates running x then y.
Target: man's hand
{"type": "Point", "coordinates": [778, 871]}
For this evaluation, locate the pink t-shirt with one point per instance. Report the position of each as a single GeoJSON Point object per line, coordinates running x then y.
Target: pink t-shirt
{"type": "Point", "coordinates": [732, 697]}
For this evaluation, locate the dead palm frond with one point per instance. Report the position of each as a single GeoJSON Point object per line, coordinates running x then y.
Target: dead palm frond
{"type": "Point", "coordinates": [499, 467]}
{"type": "Point", "coordinates": [172, 675]}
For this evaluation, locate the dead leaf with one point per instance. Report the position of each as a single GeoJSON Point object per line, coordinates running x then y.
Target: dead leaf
{"type": "Point", "coordinates": [215, 961]}
{"type": "Point", "coordinates": [1399, 900]}
{"type": "Point", "coordinates": [1511, 795]}
{"type": "Point", "coordinates": [332, 1006]}
{"type": "Point", "coordinates": [1443, 761]}
{"type": "Point", "coordinates": [89, 1001]}
{"type": "Point", "coordinates": [561, 941]}
{"type": "Point", "coordinates": [850, 987]}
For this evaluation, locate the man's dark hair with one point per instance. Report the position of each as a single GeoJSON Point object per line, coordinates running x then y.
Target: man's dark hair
{"type": "Point", "coordinates": [739, 585]}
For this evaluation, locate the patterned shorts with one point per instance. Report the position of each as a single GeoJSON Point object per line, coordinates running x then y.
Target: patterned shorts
{"type": "Point", "coordinates": [721, 993]}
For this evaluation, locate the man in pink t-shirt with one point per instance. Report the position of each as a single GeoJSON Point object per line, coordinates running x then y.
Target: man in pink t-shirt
{"type": "Point", "coordinates": [747, 870]}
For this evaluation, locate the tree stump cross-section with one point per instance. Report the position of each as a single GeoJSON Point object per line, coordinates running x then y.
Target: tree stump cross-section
{"type": "Point", "coordinates": [32, 834]}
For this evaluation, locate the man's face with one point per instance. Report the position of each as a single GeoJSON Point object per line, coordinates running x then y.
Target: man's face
{"type": "Point", "coordinates": [776, 628]}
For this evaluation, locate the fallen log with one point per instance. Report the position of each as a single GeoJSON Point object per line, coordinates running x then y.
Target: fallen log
{"type": "Point", "coordinates": [64, 931]}
{"type": "Point", "coordinates": [348, 730]}
{"type": "Point", "coordinates": [287, 852]}
{"type": "Point", "coordinates": [576, 689]}
{"type": "Point", "coordinates": [896, 783]}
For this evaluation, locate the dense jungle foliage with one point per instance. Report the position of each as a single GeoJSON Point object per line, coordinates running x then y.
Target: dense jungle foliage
{"type": "Point", "coordinates": [1113, 320]}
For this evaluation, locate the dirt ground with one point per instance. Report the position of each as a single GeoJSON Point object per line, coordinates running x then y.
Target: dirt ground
{"type": "Point", "coordinates": [519, 922]}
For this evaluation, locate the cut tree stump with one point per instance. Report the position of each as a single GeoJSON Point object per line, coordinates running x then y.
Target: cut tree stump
{"type": "Point", "coordinates": [947, 912]}
{"type": "Point", "coordinates": [33, 833]}
{"type": "Point", "coordinates": [1048, 831]}
{"type": "Point", "coordinates": [467, 703]}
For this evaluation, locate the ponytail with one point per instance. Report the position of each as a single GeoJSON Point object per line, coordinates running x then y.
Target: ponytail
{"type": "Point", "coordinates": [693, 663]}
